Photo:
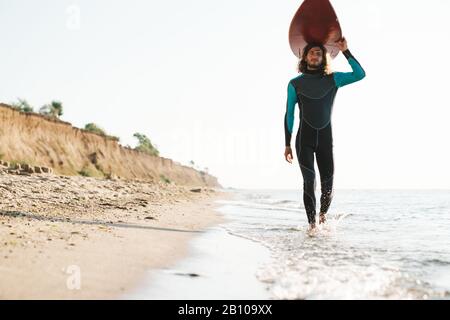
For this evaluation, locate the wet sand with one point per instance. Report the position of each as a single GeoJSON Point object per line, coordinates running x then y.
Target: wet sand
{"type": "Point", "coordinates": [220, 266]}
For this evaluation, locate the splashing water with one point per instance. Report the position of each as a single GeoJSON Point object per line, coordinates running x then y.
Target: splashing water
{"type": "Point", "coordinates": [380, 245]}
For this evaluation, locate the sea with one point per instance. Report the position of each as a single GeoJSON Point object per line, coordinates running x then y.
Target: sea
{"type": "Point", "coordinates": [376, 244]}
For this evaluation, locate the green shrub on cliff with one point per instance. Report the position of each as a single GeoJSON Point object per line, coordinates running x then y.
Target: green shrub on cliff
{"type": "Point", "coordinates": [22, 105]}
{"type": "Point", "coordinates": [92, 127]}
{"type": "Point", "coordinates": [54, 109]}
{"type": "Point", "coordinates": [145, 145]}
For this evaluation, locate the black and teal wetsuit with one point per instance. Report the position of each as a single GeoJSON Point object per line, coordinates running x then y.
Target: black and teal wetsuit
{"type": "Point", "coordinates": [315, 92]}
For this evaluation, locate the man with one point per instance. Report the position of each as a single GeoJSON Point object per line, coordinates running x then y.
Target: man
{"type": "Point", "coordinates": [314, 90]}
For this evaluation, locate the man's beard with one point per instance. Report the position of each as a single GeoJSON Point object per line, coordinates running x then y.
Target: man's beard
{"type": "Point", "coordinates": [314, 66]}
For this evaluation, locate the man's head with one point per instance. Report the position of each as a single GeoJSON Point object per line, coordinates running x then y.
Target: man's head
{"type": "Point", "coordinates": [314, 57]}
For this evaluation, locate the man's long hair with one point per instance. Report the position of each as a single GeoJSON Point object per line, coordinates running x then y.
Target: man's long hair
{"type": "Point", "coordinates": [325, 66]}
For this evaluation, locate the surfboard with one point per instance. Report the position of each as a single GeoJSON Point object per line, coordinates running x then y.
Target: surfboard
{"type": "Point", "coordinates": [315, 21]}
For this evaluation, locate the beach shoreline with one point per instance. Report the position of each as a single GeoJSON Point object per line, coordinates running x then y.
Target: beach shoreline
{"type": "Point", "coordinates": [220, 265]}
{"type": "Point", "coordinates": [73, 237]}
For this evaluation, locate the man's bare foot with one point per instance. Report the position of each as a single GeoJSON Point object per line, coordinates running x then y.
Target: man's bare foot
{"type": "Point", "coordinates": [312, 229]}
{"type": "Point", "coordinates": [322, 218]}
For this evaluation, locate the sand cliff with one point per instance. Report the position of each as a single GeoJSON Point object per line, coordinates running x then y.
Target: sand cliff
{"type": "Point", "coordinates": [38, 140]}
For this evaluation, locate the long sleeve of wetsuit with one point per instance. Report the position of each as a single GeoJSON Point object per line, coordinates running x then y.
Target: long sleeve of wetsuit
{"type": "Point", "coordinates": [344, 78]}
{"type": "Point", "coordinates": [289, 114]}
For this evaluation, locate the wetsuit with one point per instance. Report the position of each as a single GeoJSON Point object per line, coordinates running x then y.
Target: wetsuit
{"type": "Point", "coordinates": [315, 92]}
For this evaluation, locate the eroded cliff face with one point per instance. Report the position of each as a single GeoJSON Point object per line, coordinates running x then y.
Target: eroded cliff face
{"type": "Point", "coordinates": [38, 140]}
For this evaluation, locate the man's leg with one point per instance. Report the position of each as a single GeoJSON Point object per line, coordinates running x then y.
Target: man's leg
{"type": "Point", "coordinates": [325, 163]}
{"type": "Point", "coordinates": [306, 161]}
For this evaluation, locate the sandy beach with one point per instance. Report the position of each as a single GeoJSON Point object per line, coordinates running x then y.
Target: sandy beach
{"type": "Point", "coordinates": [74, 237]}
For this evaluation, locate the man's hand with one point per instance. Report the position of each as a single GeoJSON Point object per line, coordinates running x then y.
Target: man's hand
{"type": "Point", "coordinates": [288, 154]}
{"type": "Point", "coordinates": [342, 44]}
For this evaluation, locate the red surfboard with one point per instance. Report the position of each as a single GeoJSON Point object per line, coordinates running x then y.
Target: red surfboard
{"type": "Point", "coordinates": [315, 21]}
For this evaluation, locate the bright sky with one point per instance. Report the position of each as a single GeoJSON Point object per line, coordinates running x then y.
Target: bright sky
{"type": "Point", "coordinates": [206, 81]}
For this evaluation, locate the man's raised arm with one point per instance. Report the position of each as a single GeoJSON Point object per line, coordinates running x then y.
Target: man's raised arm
{"type": "Point", "coordinates": [344, 78]}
